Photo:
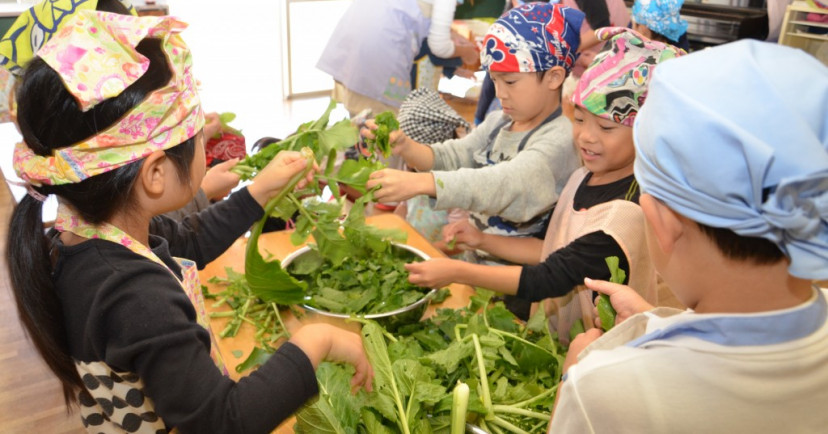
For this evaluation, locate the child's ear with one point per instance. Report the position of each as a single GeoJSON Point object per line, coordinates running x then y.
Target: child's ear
{"type": "Point", "coordinates": [555, 77]}
{"type": "Point", "coordinates": [152, 177]}
{"type": "Point", "coordinates": [664, 223]}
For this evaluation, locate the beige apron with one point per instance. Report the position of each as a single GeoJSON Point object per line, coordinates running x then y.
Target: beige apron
{"type": "Point", "coordinates": [114, 407]}
{"type": "Point", "coordinates": [624, 222]}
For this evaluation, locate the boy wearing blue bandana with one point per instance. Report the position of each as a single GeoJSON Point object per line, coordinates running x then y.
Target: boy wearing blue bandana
{"type": "Point", "coordinates": [736, 201]}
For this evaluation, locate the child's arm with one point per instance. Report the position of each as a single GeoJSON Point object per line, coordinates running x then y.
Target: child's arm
{"type": "Point", "coordinates": [436, 273]}
{"type": "Point", "coordinates": [567, 267]}
{"type": "Point", "coordinates": [519, 250]}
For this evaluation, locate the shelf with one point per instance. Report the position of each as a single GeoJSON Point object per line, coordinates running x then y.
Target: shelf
{"type": "Point", "coordinates": [810, 23]}
{"type": "Point", "coordinates": [823, 38]}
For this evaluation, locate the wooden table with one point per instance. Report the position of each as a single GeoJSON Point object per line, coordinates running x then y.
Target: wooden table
{"type": "Point", "coordinates": [278, 244]}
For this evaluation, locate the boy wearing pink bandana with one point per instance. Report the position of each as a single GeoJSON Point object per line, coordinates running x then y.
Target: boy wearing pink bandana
{"type": "Point", "coordinates": [597, 215]}
{"type": "Point", "coordinates": [493, 172]}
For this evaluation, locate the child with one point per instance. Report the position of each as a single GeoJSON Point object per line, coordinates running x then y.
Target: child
{"type": "Point", "coordinates": [661, 20]}
{"type": "Point", "coordinates": [491, 171]}
{"type": "Point", "coordinates": [101, 296]}
{"type": "Point", "coordinates": [735, 202]}
{"type": "Point", "coordinates": [598, 215]}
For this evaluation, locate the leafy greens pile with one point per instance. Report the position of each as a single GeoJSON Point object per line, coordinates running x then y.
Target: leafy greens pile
{"type": "Point", "coordinates": [512, 371]}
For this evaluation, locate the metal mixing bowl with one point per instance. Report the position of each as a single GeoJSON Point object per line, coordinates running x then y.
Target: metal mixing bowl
{"type": "Point", "coordinates": [391, 319]}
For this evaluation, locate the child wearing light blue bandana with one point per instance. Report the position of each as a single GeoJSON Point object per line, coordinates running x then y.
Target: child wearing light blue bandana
{"type": "Point", "coordinates": [659, 20]}
{"type": "Point", "coordinates": [736, 201]}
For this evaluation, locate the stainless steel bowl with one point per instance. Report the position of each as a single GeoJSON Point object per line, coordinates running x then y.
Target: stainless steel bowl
{"type": "Point", "coordinates": [391, 319]}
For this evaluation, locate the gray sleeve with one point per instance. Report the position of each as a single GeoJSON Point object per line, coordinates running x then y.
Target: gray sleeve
{"type": "Point", "coordinates": [459, 153]}
{"type": "Point", "coordinates": [518, 189]}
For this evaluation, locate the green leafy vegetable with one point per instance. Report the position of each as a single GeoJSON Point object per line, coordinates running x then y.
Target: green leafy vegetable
{"type": "Point", "coordinates": [386, 123]}
{"type": "Point", "coordinates": [511, 367]}
{"type": "Point", "coordinates": [605, 310]}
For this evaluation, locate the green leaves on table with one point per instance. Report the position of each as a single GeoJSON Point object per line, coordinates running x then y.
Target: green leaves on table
{"type": "Point", "coordinates": [515, 367]}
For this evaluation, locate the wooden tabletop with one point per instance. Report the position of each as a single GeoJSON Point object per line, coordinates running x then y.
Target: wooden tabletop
{"type": "Point", "coordinates": [279, 246]}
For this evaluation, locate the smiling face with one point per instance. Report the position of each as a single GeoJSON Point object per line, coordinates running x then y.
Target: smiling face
{"type": "Point", "coordinates": [527, 99]}
{"type": "Point", "coordinates": [605, 147]}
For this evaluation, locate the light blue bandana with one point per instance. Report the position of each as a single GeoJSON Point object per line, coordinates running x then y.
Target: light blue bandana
{"type": "Point", "coordinates": [661, 16]}
{"type": "Point", "coordinates": [736, 137]}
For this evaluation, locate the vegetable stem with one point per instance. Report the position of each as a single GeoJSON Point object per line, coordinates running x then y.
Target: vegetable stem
{"type": "Point", "coordinates": [484, 380]}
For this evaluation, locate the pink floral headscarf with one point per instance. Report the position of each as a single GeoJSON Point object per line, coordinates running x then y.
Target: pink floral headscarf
{"type": "Point", "coordinates": [95, 55]}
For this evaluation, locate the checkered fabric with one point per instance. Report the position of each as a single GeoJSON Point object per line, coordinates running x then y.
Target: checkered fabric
{"type": "Point", "coordinates": [425, 117]}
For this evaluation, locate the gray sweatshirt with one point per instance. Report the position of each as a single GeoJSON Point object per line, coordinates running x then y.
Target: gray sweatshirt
{"type": "Point", "coordinates": [521, 186]}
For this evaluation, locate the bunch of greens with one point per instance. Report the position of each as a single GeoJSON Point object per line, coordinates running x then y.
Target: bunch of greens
{"type": "Point", "coordinates": [386, 123]}
{"type": "Point", "coordinates": [335, 239]}
{"type": "Point", "coordinates": [324, 141]}
{"type": "Point", "coordinates": [605, 310]}
{"type": "Point", "coordinates": [371, 284]}
{"type": "Point", "coordinates": [511, 369]}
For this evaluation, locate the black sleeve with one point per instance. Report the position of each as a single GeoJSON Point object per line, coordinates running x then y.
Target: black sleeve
{"type": "Point", "coordinates": [149, 328]}
{"type": "Point", "coordinates": [596, 11]}
{"type": "Point", "coordinates": [566, 268]}
{"type": "Point", "coordinates": [205, 235]}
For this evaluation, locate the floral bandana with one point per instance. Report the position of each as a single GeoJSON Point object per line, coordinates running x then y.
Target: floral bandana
{"type": "Point", "coordinates": [661, 16]}
{"type": "Point", "coordinates": [615, 84]}
{"type": "Point", "coordinates": [533, 37]}
{"type": "Point", "coordinates": [36, 26]}
{"type": "Point", "coordinates": [94, 53]}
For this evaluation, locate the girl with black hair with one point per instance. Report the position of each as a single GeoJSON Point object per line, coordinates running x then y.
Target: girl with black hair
{"type": "Point", "coordinates": [112, 124]}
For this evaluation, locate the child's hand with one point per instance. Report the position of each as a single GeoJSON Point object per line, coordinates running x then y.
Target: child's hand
{"type": "Point", "coordinates": [219, 180]}
{"type": "Point", "coordinates": [578, 344]}
{"type": "Point", "coordinates": [398, 185]}
{"type": "Point", "coordinates": [328, 342]}
{"type": "Point", "coordinates": [624, 299]}
{"type": "Point", "coordinates": [212, 125]}
{"type": "Point", "coordinates": [434, 273]}
{"type": "Point", "coordinates": [463, 234]}
{"type": "Point", "coordinates": [396, 138]}
{"type": "Point", "coordinates": [278, 173]}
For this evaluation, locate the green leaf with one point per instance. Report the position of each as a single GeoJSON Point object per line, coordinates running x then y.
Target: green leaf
{"type": "Point", "coordinates": [336, 410]}
{"type": "Point", "coordinates": [257, 357]}
{"type": "Point", "coordinates": [605, 310]}
{"type": "Point", "coordinates": [237, 353]}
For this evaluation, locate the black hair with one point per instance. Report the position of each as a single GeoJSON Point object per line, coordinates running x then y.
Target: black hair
{"type": "Point", "coordinates": [759, 251]}
{"type": "Point", "coordinates": [50, 118]}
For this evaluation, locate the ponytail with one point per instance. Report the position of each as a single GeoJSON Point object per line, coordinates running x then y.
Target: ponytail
{"type": "Point", "coordinates": [30, 267]}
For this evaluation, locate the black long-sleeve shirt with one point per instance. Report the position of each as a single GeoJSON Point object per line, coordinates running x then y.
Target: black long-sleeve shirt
{"type": "Point", "coordinates": [566, 267]}
{"type": "Point", "coordinates": [131, 314]}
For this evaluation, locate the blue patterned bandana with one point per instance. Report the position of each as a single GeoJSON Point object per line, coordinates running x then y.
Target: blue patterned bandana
{"type": "Point", "coordinates": [533, 37]}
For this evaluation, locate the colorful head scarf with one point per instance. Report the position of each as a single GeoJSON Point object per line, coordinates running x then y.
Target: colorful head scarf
{"type": "Point", "coordinates": [615, 84]}
{"type": "Point", "coordinates": [36, 26]}
{"type": "Point", "coordinates": [427, 118]}
{"type": "Point", "coordinates": [533, 37]}
{"type": "Point", "coordinates": [661, 16]}
{"type": "Point", "coordinates": [712, 151]}
{"type": "Point", "coordinates": [94, 53]}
